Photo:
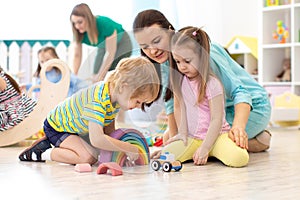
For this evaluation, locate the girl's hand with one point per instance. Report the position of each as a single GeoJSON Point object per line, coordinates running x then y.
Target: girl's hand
{"type": "Point", "coordinates": [2, 84]}
{"type": "Point", "coordinates": [200, 156]}
{"type": "Point", "coordinates": [179, 136]}
{"type": "Point", "coordinates": [155, 154]}
{"type": "Point", "coordinates": [239, 136]}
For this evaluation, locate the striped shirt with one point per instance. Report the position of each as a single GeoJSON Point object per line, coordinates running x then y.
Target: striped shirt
{"type": "Point", "coordinates": [90, 104]}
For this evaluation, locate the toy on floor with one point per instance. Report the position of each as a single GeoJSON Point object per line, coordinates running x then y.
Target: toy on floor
{"type": "Point", "coordinates": [113, 167]}
{"type": "Point", "coordinates": [286, 110]}
{"type": "Point", "coordinates": [285, 75]}
{"type": "Point", "coordinates": [167, 162]}
{"type": "Point", "coordinates": [83, 167]}
{"type": "Point", "coordinates": [158, 141]}
{"type": "Point", "coordinates": [281, 33]}
{"type": "Point", "coordinates": [127, 135]}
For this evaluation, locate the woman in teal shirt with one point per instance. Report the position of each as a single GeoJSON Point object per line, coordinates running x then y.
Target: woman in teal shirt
{"type": "Point", "coordinates": [248, 107]}
{"type": "Point", "coordinates": [112, 41]}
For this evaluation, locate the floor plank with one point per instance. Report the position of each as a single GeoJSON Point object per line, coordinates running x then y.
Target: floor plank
{"type": "Point", "coordinates": [273, 174]}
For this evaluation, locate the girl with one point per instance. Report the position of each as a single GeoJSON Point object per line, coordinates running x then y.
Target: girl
{"type": "Point", "coordinates": [53, 74]}
{"type": "Point", "coordinates": [204, 101]}
{"type": "Point", "coordinates": [112, 41]}
{"type": "Point", "coordinates": [14, 105]}
{"type": "Point", "coordinates": [247, 108]}
{"type": "Point", "coordinates": [92, 111]}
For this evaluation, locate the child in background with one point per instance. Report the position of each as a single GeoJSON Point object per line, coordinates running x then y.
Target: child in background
{"type": "Point", "coordinates": [53, 74]}
{"type": "Point", "coordinates": [203, 96]}
{"type": "Point", "coordinates": [14, 105]}
{"type": "Point", "coordinates": [92, 111]}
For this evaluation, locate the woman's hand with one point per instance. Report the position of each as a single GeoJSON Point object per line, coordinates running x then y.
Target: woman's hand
{"type": "Point", "coordinates": [200, 156]}
{"type": "Point", "coordinates": [239, 136]}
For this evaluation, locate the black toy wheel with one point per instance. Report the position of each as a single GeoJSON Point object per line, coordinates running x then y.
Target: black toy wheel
{"type": "Point", "coordinates": [167, 167]}
{"type": "Point", "coordinates": [155, 165]}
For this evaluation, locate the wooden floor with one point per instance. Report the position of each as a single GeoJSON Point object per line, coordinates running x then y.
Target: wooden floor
{"type": "Point", "coordinates": [274, 174]}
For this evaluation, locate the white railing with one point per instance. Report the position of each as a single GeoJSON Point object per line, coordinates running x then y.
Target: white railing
{"type": "Point", "coordinates": [19, 57]}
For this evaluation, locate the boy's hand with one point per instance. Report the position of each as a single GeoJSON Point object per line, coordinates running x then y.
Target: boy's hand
{"type": "Point", "coordinates": [133, 155]}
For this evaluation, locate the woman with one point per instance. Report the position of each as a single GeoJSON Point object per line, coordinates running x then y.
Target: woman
{"type": "Point", "coordinates": [248, 108]}
{"type": "Point", "coordinates": [112, 41]}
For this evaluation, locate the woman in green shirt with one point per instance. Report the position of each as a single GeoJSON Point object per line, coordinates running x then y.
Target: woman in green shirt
{"type": "Point", "coordinates": [112, 41]}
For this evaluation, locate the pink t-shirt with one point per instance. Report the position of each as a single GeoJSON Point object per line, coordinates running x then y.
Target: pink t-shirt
{"type": "Point", "coordinates": [198, 115]}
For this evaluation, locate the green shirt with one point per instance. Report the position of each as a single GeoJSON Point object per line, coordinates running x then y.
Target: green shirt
{"type": "Point", "coordinates": [106, 27]}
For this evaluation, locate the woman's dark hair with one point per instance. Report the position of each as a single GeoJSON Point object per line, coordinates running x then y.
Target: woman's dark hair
{"type": "Point", "coordinates": [12, 81]}
{"type": "Point", "coordinates": [147, 18]}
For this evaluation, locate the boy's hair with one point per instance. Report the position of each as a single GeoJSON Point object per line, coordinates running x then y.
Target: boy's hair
{"type": "Point", "coordinates": [139, 73]}
{"type": "Point", "coordinates": [197, 40]}
{"type": "Point", "coordinates": [49, 49]}
{"type": "Point", "coordinates": [12, 81]}
{"type": "Point", "coordinates": [83, 10]}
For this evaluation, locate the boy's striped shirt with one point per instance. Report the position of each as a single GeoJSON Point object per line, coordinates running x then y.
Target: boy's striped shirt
{"type": "Point", "coordinates": [90, 104]}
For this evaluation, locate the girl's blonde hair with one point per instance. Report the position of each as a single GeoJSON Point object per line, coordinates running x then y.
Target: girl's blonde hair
{"type": "Point", "coordinates": [199, 41]}
{"type": "Point", "coordinates": [139, 73]}
{"type": "Point", "coordinates": [83, 10]}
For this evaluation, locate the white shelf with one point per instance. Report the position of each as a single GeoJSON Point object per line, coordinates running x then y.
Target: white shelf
{"type": "Point", "coordinates": [272, 53]}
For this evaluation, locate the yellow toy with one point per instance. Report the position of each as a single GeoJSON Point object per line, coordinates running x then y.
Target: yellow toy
{"type": "Point", "coordinates": [272, 2]}
{"type": "Point", "coordinates": [286, 110]}
{"type": "Point", "coordinates": [281, 32]}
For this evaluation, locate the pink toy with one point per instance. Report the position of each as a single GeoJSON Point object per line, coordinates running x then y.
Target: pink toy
{"type": "Point", "coordinates": [84, 167]}
{"type": "Point", "coordinates": [114, 168]}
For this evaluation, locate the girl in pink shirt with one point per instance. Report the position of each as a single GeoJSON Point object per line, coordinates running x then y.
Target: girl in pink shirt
{"type": "Point", "coordinates": [203, 97]}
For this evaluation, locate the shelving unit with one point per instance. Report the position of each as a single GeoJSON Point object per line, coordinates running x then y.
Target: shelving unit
{"type": "Point", "coordinates": [272, 53]}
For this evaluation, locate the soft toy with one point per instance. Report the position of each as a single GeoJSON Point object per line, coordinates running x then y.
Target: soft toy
{"type": "Point", "coordinates": [285, 75]}
{"type": "Point", "coordinates": [281, 32]}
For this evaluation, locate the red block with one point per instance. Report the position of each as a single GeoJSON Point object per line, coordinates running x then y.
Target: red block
{"type": "Point", "coordinates": [114, 168]}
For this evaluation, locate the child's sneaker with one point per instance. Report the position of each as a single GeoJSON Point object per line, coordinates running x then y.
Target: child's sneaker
{"type": "Point", "coordinates": [38, 147]}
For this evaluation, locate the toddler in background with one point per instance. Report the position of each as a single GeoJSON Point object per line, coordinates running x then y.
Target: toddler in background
{"type": "Point", "coordinates": [15, 106]}
{"type": "Point", "coordinates": [53, 74]}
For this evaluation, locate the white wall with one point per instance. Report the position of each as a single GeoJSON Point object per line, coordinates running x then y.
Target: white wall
{"type": "Point", "coordinates": [39, 19]}
{"type": "Point", "coordinates": [222, 19]}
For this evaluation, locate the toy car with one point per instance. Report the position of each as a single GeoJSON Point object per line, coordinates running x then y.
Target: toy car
{"type": "Point", "coordinates": [167, 162]}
